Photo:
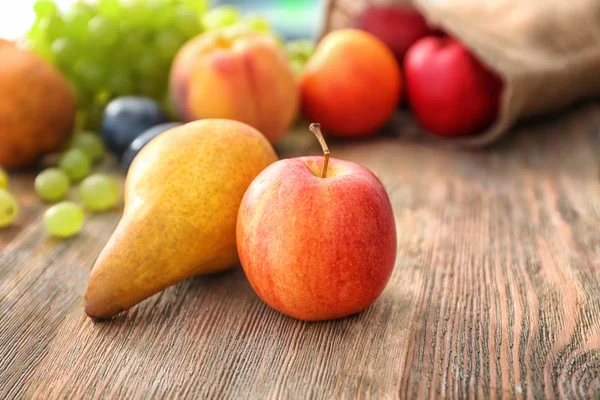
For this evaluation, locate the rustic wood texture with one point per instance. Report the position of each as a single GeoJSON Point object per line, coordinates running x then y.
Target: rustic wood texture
{"type": "Point", "coordinates": [496, 291]}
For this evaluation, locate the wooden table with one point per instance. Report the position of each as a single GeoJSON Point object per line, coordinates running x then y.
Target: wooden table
{"type": "Point", "coordinates": [496, 291]}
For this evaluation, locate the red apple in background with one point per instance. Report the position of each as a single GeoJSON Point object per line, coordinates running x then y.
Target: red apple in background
{"type": "Point", "coordinates": [317, 248]}
{"type": "Point", "coordinates": [398, 27]}
{"type": "Point", "coordinates": [451, 93]}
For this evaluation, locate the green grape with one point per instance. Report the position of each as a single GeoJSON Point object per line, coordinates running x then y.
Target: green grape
{"type": "Point", "coordinates": [110, 9]}
{"type": "Point", "coordinates": [103, 31]}
{"type": "Point", "coordinates": [99, 192]}
{"type": "Point", "coordinates": [258, 23]}
{"type": "Point", "coordinates": [9, 208]}
{"type": "Point", "coordinates": [40, 47]}
{"type": "Point", "coordinates": [57, 27]}
{"type": "Point", "coordinates": [64, 219]}
{"type": "Point", "coordinates": [75, 163]}
{"type": "Point", "coordinates": [134, 15]}
{"type": "Point", "coordinates": [64, 50]}
{"type": "Point", "coordinates": [80, 117]}
{"type": "Point", "coordinates": [297, 66]}
{"type": "Point", "coordinates": [102, 99]}
{"type": "Point", "coordinates": [148, 88]}
{"type": "Point", "coordinates": [220, 17]}
{"type": "Point", "coordinates": [133, 45]}
{"type": "Point", "coordinates": [300, 50]}
{"type": "Point", "coordinates": [3, 179]}
{"type": "Point", "coordinates": [38, 40]}
{"type": "Point", "coordinates": [90, 143]}
{"type": "Point", "coordinates": [37, 33]}
{"type": "Point", "coordinates": [78, 18]}
{"type": "Point", "coordinates": [84, 95]}
{"type": "Point", "coordinates": [187, 20]}
{"type": "Point", "coordinates": [119, 83]}
{"type": "Point", "coordinates": [147, 66]}
{"type": "Point", "coordinates": [89, 73]}
{"type": "Point", "coordinates": [167, 45]}
{"type": "Point", "coordinates": [161, 15]}
{"type": "Point", "coordinates": [199, 7]}
{"type": "Point", "coordinates": [52, 184]}
{"type": "Point", "coordinates": [44, 8]}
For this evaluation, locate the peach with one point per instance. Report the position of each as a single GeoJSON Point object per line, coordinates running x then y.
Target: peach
{"type": "Point", "coordinates": [352, 83]}
{"type": "Point", "coordinates": [236, 74]}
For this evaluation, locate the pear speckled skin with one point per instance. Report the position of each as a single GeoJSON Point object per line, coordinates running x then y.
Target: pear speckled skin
{"type": "Point", "coordinates": [182, 196]}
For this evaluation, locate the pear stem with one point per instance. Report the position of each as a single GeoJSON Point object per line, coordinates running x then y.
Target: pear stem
{"type": "Point", "coordinates": [316, 129]}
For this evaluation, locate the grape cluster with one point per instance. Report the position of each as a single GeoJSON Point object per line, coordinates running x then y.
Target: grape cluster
{"type": "Point", "coordinates": [108, 48]}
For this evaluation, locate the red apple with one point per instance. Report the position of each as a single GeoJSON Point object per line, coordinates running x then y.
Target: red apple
{"type": "Point", "coordinates": [450, 91]}
{"type": "Point", "coordinates": [398, 27]}
{"type": "Point", "coordinates": [317, 248]}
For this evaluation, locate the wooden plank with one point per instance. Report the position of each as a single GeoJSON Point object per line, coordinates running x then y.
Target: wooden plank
{"type": "Point", "coordinates": [496, 291]}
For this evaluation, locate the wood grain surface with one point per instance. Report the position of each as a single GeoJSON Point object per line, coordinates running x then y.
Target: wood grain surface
{"type": "Point", "coordinates": [495, 293]}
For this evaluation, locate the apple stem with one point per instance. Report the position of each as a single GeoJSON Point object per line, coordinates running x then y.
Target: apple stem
{"type": "Point", "coordinates": [316, 129]}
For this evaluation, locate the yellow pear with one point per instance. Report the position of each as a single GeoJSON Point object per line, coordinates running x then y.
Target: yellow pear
{"type": "Point", "coordinates": [182, 196]}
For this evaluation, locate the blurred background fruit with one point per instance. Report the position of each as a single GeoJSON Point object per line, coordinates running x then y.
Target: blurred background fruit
{"type": "Point", "coordinates": [112, 48]}
{"type": "Point", "coordinates": [126, 117]}
{"type": "Point", "coordinates": [464, 97]}
{"type": "Point", "coordinates": [300, 51]}
{"type": "Point", "coordinates": [398, 27]}
{"type": "Point", "coordinates": [236, 73]}
{"type": "Point", "coordinates": [30, 124]}
{"type": "Point", "coordinates": [352, 84]}
{"type": "Point", "coordinates": [142, 140]}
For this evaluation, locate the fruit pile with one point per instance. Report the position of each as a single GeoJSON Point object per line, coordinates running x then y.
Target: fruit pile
{"type": "Point", "coordinates": [202, 197]}
{"type": "Point", "coordinates": [450, 92]}
{"type": "Point", "coordinates": [107, 48]}
{"type": "Point", "coordinates": [111, 48]}
{"type": "Point", "coordinates": [212, 190]}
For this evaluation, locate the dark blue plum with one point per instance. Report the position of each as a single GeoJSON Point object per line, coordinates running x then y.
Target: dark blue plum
{"type": "Point", "coordinates": [125, 118]}
{"type": "Point", "coordinates": [142, 140]}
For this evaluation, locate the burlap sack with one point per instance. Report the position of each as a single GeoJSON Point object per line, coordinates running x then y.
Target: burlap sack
{"type": "Point", "coordinates": [547, 51]}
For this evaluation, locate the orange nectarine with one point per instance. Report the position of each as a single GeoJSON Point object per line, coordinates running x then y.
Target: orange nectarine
{"type": "Point", "coordinates": [351, 85]}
